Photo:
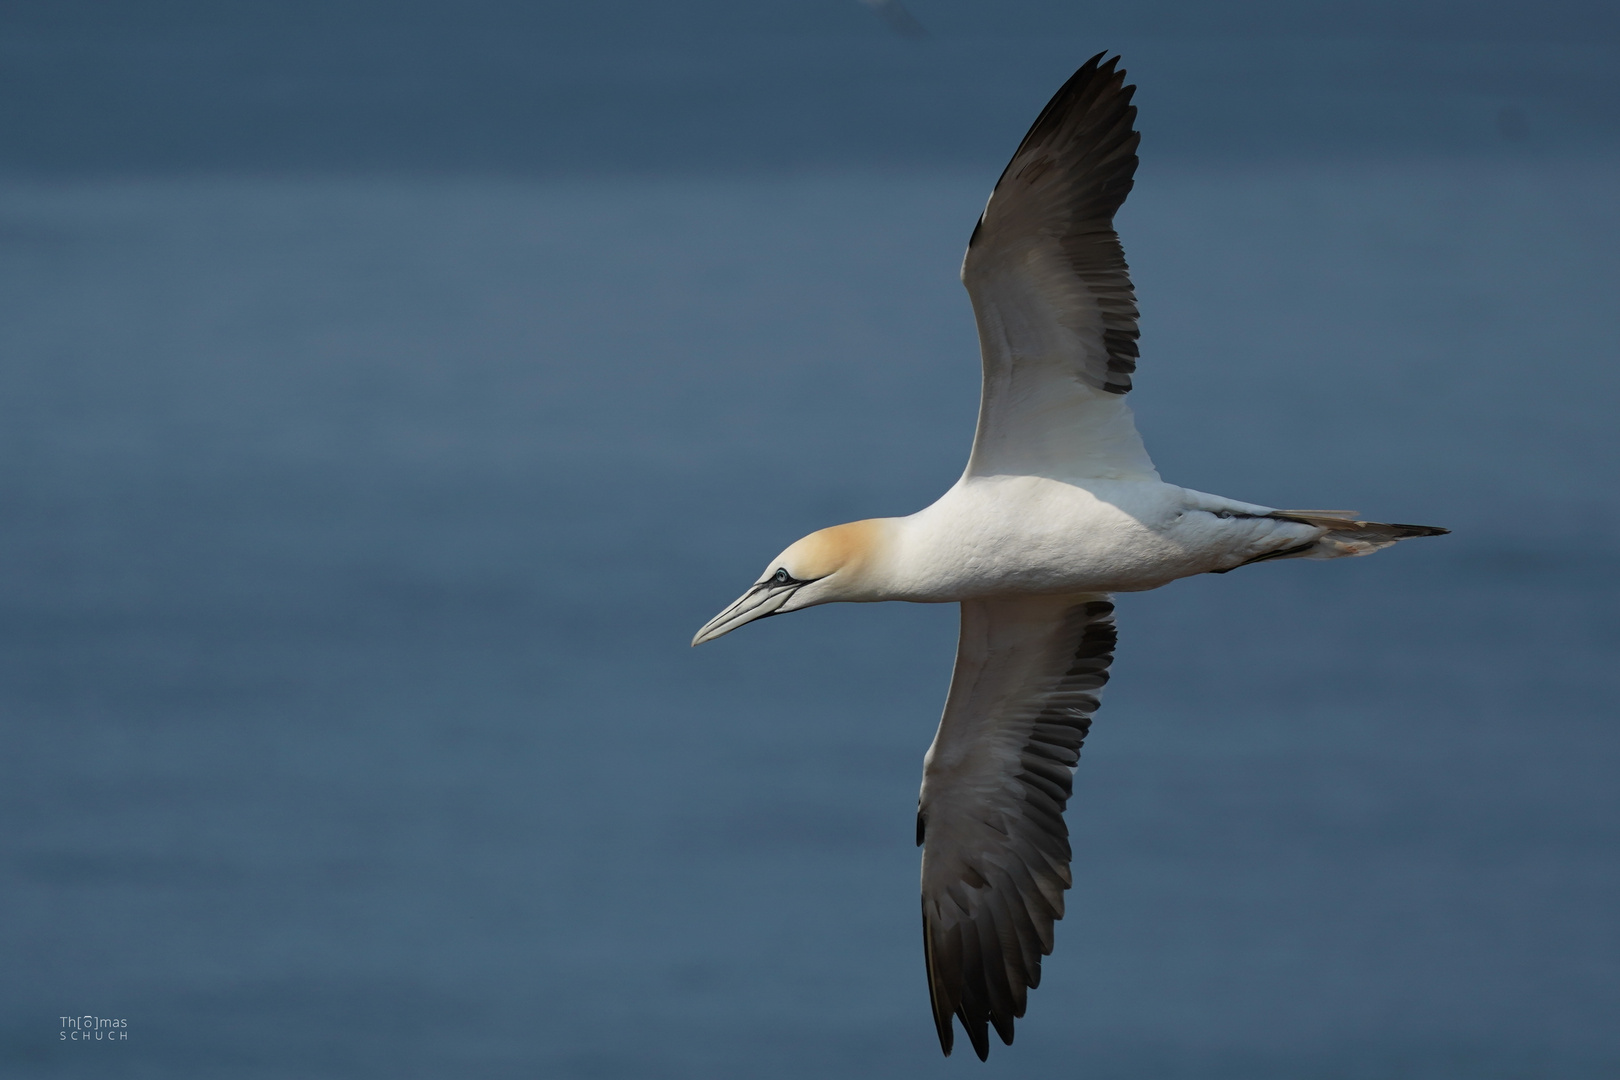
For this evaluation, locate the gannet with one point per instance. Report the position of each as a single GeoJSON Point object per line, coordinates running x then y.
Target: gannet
{"type": "Point", "coordinates": [1059, 508]}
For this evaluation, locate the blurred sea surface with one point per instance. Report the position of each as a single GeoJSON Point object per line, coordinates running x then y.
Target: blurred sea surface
{"type": "Point", "coordinates": [354, 518]}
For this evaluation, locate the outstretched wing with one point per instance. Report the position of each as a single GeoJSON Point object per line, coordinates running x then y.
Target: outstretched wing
{"type": "Point", "coordinates": [995, 783]}
{"type": "Point", "coordinates": [1053, 296]}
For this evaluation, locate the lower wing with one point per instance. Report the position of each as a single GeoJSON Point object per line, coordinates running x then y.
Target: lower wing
{"type": "Point", "coordinates": [995, 784]}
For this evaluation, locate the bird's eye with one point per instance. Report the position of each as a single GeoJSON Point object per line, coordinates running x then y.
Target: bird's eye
{"type": "Point", "coordinates": [781, 577]}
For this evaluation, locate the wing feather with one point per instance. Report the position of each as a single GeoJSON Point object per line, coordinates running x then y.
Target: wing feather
{"type": "Point", "coordinates": [995, 785]}
{"type": "Point", "coordinates": [1052, 293]}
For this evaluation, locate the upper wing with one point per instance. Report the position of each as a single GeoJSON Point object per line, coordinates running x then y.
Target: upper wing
{"type": "Point", "coordinates": [1053, 296]}
{"type": "Point", "coordinates": [995, 783]}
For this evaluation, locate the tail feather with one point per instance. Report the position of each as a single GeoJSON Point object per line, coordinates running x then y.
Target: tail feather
{"type": "Point", "coordinates": [1348, 535]}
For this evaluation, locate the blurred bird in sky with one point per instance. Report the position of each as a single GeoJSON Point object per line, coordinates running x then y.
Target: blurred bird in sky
{"type": "Point", "coordinates": [901, 21]}
{"type": "Point", "coordinates": [1059, 508]}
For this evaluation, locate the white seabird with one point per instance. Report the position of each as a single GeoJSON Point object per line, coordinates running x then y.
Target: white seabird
{"type": "Point", "coordinates": [1059, 508]}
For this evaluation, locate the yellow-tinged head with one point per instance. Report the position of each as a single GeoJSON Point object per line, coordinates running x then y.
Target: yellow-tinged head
{"type": "Point", "coordinates": [840, 563]}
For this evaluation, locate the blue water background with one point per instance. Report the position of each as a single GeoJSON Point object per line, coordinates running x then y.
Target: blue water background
{"type": "Point", "coordinates": [357, 504]}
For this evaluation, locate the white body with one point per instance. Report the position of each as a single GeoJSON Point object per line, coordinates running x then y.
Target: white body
{"type": "Point", "coordinates": [1010, 535]}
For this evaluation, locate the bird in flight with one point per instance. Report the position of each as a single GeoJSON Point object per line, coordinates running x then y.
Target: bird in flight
{"type": "Point", "coordinates": [1059, 508]}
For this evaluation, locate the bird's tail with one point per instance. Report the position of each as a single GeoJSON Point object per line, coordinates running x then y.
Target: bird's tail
{"type": "Point", "coordinates": [1348, 535]}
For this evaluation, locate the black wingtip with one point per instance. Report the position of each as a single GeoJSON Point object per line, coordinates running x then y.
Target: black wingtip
{"type": "Point", "coordinates": [942, 1017]}
{"type": "Point", "coordinates": [1075, 84]}
{"type": "Point", "coordinates": [978, 1033]}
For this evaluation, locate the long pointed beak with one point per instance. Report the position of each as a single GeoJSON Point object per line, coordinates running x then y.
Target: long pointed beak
{"type": "Point", "coordinates": [762, 601]}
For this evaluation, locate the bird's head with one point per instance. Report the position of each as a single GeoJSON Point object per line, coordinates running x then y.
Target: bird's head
{"type": "Point", "coordinates": [840, 563]}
